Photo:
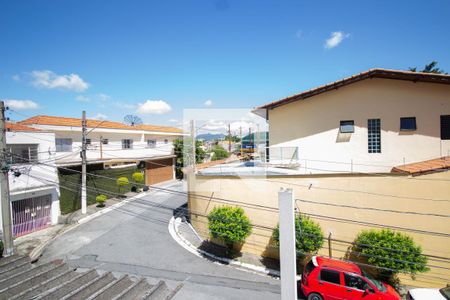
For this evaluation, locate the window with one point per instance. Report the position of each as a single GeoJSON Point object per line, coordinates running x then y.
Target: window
{"type": "Point", "coordinates": [105, 141]}
{"type": "Point", "coordinates": [166, 141]}
{"type": "Point", "coordinates": [309, 267]}
{"type": "Point", "coordinates": [63, 145]}
{"type": "Point", "coordinates": [355, 282]}
{"type": "Point", "coordinates": [88, 141]}
{"type": "Point", "coordinates": [330, 276]}
{"type": "Point", "coordinates": [22, 153]}
{"type": "Point", "coordinates": [347, 126]}
{"type": "Point", "coordinates": [151, 143]}
{"type": "Point", "coordinates": [374, 135]}
{"type": "Point", "coordinates": [408, 124]}
{"type": "Point", "coordinates": [445, 127]}
{"type": "Point", "coordinates": [127, 144]}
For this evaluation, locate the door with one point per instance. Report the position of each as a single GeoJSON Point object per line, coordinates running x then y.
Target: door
{"type": "Point", "coordinates": [356, 286]}
{"type": "Point", "coordinates": [157, 171]}
{"type": "Point", "coordinates": [31, 214]}
{"type": "Point", "coordinates": [330, 285]}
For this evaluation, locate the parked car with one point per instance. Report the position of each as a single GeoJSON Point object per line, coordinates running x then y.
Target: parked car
{"type": "Point", "coordinates": [331, 279]}
{"type": "Point", "coordinates": [429, 294]}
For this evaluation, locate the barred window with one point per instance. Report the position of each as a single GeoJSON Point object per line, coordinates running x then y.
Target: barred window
{"type": "Point", "coordinates": [374, 135]}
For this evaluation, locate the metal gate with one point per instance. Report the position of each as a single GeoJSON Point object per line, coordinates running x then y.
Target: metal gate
{"type": "Point", "coordinates": [31, 214]}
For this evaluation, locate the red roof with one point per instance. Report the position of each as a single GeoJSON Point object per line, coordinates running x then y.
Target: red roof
{"type": "Point", "coordinates": [338, 264]}
{"type": "Point", "coordinates": [19, 127]}
{"type": "Point", "coordinates": [76, 122]}
{"type": "Point", "coordinates": [372, 73]}
{"type": "Point", "coordinates": [428, 166]}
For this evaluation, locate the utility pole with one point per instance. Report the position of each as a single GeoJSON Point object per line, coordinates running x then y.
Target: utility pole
{"type": "Point", "coordinates": [101, 147]}
{"type": "Point", "coordinates": [83, 162]}
{"type": "Point", "coordinates": [240, 135]}
{"type": "Point", "coordinates": [193, 145]}
{"type": "Point", "coordinates": [4, 186]}
{"type": "Point", "coordinates": [288, 258]}
{"type": "Point", "coordinates": [229, 138]}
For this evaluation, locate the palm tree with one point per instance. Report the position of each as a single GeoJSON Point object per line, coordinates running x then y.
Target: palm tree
{"type": "Point", "coordinates": [430, 68]}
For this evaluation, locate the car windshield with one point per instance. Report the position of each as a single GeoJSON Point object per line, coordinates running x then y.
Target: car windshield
{"type": "Point", "coordinates": [380, 286]}
{"type": "Point", "coordinates": [445, 292]}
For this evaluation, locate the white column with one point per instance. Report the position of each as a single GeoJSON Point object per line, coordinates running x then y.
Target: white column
{"type": "Point", "coordinates": [288, 261]}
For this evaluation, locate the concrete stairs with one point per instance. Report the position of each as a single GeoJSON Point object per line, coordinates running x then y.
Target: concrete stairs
{"type": "Point", "coordinates": [19, 279]}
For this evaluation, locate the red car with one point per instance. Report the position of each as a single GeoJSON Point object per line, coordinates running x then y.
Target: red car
{"type": "Point", "coordinates": [331, 279]}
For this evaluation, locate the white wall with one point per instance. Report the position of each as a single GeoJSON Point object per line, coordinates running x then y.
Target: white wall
{"type": "Point", "coordinates": [312, 125]}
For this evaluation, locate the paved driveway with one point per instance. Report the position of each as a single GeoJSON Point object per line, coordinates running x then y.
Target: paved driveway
{"type": "Point", "coordinates": [135, 239]}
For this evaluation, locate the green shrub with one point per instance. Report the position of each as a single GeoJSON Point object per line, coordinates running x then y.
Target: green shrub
{"type": "Point", "coordinates": [100, 199]}
{"type": "Point", "coordinates": [138, 177]}
{"type": "Point", "coordinates": [219, 153]}
{"type": "Point", "coordinates": [392, 252]}
{"type": "Point", "coordinates": [308, 236]}
{"type": "Point", "coordinates": [122, 181]}
{"type": "Point", "coordinates": [229, 224]}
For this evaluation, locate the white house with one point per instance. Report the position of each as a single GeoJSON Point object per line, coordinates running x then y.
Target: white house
{"type": "Point", "coordinates": [33, 178]}
{"type": "Point", "coordinates": [369, 122]}
{"type": "Point", "coordinates": [112, 144]}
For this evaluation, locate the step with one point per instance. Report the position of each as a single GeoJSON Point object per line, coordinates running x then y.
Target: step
{"type": "Point", "coordinates": [174, 291]}
{"type": "Point", "coordinates": [45, 286]}
{"type": "Point", "coordinates": [11, 262]}
{"type": "Point", "coordinates": [113, 289]}
{"type": "Point", "coordinates": [157, 292]}
{"type": "Point", "coordinates": [19, 268]}
{"type": "Point", "coordinates": [27, 274]}
{"type": "Point", "coordinates": [90, 288]}
{"type": "Point", "coordinates": [65, 288]}
{"type": "Point", "coordinates": [32, 281]}
{"type": "Point", "coordinates": [135, 291]}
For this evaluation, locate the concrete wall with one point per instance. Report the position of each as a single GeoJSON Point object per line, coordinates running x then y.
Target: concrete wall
{"type": "Point", "coordinates": [427, 193]}
{"type": "Point", "coordinates": [312, 125]}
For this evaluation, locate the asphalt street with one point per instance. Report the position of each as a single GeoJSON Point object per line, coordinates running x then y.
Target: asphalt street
{"type": "Point", "coordinates": [134, 239]}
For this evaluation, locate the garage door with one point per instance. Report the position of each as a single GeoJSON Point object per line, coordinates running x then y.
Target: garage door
{"type": "Point", "coordinates": [157, 171]}
{"type": "Point", "coordinates": [31, 214]}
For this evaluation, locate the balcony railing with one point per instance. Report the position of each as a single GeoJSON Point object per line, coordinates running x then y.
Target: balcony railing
{"type": "Point", "coordinates": [279, 156]}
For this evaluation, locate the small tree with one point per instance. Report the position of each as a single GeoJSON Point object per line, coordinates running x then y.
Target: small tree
{"type": "Point", "coordinates": [308, 236]}
{"type": "Point", "coordinates": [219, 153]}
{"type": "Point", "coordinates": [122, 181]}
{"type": "Point", "coordinates": [100, 199]}
{"type": "Point", "coordinates": [391, 252]}
{"type": "Point", "coordinates": [137, 177]}
{"type": "Point", "coordinates": [229, 224]}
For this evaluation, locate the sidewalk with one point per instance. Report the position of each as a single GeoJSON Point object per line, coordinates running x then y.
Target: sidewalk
{"type": "Point", "coordinates": [185, 235]}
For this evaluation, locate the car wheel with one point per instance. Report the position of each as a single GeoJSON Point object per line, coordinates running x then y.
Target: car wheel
{"type": "Point", "coordinates": [314, 296]}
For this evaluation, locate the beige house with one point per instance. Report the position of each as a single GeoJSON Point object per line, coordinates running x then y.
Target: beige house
{"type": "Point", "coordinates": [365, 123]}
{"type": "Point", "coordinates": [372, 152]}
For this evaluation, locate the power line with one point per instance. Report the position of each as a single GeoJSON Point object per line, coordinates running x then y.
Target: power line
{"type": "Point", "coordinates": [374, 209]}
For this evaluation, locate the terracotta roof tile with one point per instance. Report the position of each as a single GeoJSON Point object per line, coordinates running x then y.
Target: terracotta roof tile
{"type": "Point", "coordinates": [427, 166]}
{"type": "Point", "coordinates": [372, 73]}
{"type": "Point", "coordinates": [76, 122]}
{"type": "Point", "coordinates": [16, 127]}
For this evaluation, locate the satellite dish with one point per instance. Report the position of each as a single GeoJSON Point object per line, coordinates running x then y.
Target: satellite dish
{"type": "Point", "coordinates": [132, 120]}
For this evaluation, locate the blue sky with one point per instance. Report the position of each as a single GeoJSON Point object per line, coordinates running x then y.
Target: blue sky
{"type": "Point", "coordinates": [155, 58]}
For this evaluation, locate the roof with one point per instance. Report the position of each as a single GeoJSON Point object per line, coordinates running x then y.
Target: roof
{"type": "Point", "coordinates": [338, 264]}
{"type": "Point", "coordinates": [372, 73]}
{"type": "Point", "coordinates": [16, 127]}
{"type": "Point", "coordinates": [63, 121]}
{"type": "Point", "coordinates": [428, 166]}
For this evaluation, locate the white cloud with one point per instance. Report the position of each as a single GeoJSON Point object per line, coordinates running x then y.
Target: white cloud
{"type": "Point", "coordinates": [49, 80]}
{"type": "Point", "coordinates": [16, 77]}
{"type": "Point", "coordinates": [208, 103]}
{"type": "Point", "coordinates": [173, 121]}
{"type": "Point", "coordinates": [100, 116]}
{"type": "Point", "coordinates": [21, 104]}
{"type": "Point", "coordinates": [82, 98]}
{"type": "Point", "coordinates": [123, 105]}
{"type": "Point", "coordinates": [299, 33]}
{"type": "Point", "coordinates": [103, 97]}
{"type": "Point", "coordinates": [335, 39]}
{"type": "Point", "coordinates": [156, 107]}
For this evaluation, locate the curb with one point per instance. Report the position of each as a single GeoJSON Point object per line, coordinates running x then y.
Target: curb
{"type": "Point", "coordinates": [174, 223]}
